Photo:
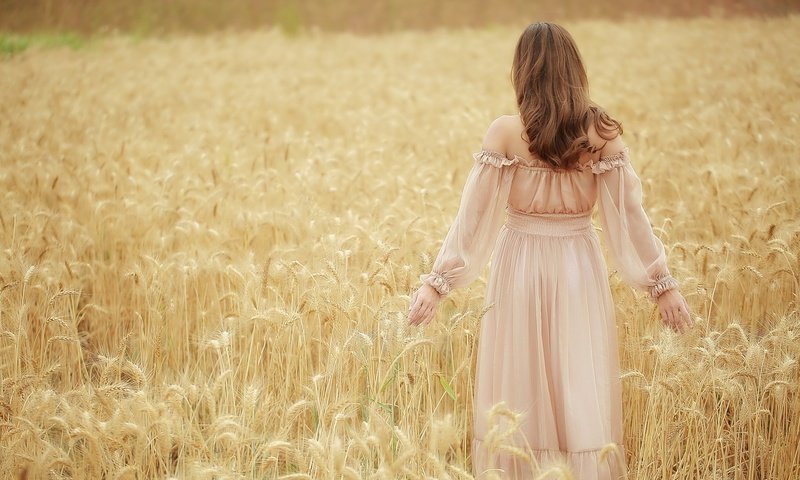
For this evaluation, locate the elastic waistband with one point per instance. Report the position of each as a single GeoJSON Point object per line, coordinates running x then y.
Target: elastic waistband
{"type": "Point", "coordinates": [554, 224]}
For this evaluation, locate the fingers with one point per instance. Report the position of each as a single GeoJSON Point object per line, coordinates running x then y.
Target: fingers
{"type": "Point", "coordinates": [424, 316]}
{"type": "Point", "coordinates": [670, 318]}
{"type": "Point", "coordinates": [684, 314]}
{"type": "Point", "coordinates": [678, 317]}
{"type": "Point", "coordinates": [422, 309]}
{"type": "Point", "coordinates": [415, 314]}
{"type": "Point", "coordinates": [420, 315]}
{"type": "Point", "coordinates": [688, 313]}
{"type": "Point", "coordinates": [675, 312]}
{"type": "Point", "coordinates": [418, 311]}
{"type": "Point", "coordinates": [427, 316]}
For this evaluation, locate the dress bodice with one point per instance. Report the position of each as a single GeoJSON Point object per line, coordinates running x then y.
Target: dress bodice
{"type": "Point", "coordinates": [541, 189]}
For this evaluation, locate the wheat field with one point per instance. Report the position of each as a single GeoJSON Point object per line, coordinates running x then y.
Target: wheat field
{"type": "Point", "coordinates": [209, 243]}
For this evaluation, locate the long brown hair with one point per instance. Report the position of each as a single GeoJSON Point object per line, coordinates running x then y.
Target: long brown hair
{"type": "Point", "coordinates": [553, 96]}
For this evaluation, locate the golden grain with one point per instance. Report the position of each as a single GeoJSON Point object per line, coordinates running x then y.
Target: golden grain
{"type": "Point", "coordinates": [207, 263]}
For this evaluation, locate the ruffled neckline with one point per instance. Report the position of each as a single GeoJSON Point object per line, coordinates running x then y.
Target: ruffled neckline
{"type": "Point", "coordinates": [495, 159]}
{"type": "Point", "coordinates": [602, 164]}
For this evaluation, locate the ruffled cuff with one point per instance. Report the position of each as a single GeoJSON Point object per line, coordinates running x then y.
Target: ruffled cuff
{"type": "Point", "coordinates": [437, 281]}
{"type": "Point", "coordinates": [663, 283]}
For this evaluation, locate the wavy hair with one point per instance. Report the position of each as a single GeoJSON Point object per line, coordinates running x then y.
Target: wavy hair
{"type": "Point", "coordinates": [552, 92]}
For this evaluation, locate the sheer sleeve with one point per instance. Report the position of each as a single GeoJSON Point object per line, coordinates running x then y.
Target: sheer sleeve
{"type": "Point", "coordinates": [469, 242]}
{"type": "Point", "coordinates": [635, 250]}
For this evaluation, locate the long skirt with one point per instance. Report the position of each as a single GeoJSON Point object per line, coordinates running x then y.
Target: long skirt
{"type": "Point", "coordinates": [548, 392]}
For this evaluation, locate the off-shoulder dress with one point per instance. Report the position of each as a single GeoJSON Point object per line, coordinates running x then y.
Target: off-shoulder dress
{"type": "Point", "coordinates": [548, 342]}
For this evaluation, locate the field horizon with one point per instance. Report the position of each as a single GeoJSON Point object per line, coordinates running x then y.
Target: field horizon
{"type": "Point", "coordinates": [153, 17]}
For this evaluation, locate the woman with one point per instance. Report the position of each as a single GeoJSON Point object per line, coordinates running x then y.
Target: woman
{"type": "Point", "coordinates": [548, 344]}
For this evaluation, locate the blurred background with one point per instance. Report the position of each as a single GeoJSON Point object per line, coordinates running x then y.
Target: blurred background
{"type": "Point", "coordinates": [158, 16]}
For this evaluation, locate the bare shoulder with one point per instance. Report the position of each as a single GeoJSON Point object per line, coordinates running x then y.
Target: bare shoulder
{"type": "Point", "coordinates": [499, 132]}
{"type": "Point", "coordinates": [608, 147]}
{"type": "Point", "coordinates": [608, 142]}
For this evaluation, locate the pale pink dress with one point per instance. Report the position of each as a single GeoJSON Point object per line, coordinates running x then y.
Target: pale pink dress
{"type": "Point", "coordinates": [548, 344]}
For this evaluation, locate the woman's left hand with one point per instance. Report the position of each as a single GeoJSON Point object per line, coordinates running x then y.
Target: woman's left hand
{"type": "Point", "coordinates": [675, 311]}
{"type": "Point", "coordinates": [423, 305]}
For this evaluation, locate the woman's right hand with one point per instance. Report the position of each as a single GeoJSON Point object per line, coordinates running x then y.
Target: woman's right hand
{"type": "Point", "coordinates": [423, 305]}
{"type": "Point", "coordinates": [675, 312]}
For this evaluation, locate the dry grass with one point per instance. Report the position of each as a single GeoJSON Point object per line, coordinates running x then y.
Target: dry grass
{"type": "Point", "coordinates": [208, 243]}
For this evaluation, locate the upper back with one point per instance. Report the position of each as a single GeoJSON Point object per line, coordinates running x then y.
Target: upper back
{"type": "Point", "coordinates": [536, 187]}
{"type": "Point", "coordinates": [514, 141]}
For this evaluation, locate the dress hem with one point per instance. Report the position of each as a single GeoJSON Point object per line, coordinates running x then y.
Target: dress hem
{"type": "Point", "coordinates": [584, 464]}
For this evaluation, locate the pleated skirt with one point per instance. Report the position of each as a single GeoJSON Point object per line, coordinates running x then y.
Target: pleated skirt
{"type": "Point", "coordinates": [548, 393]}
